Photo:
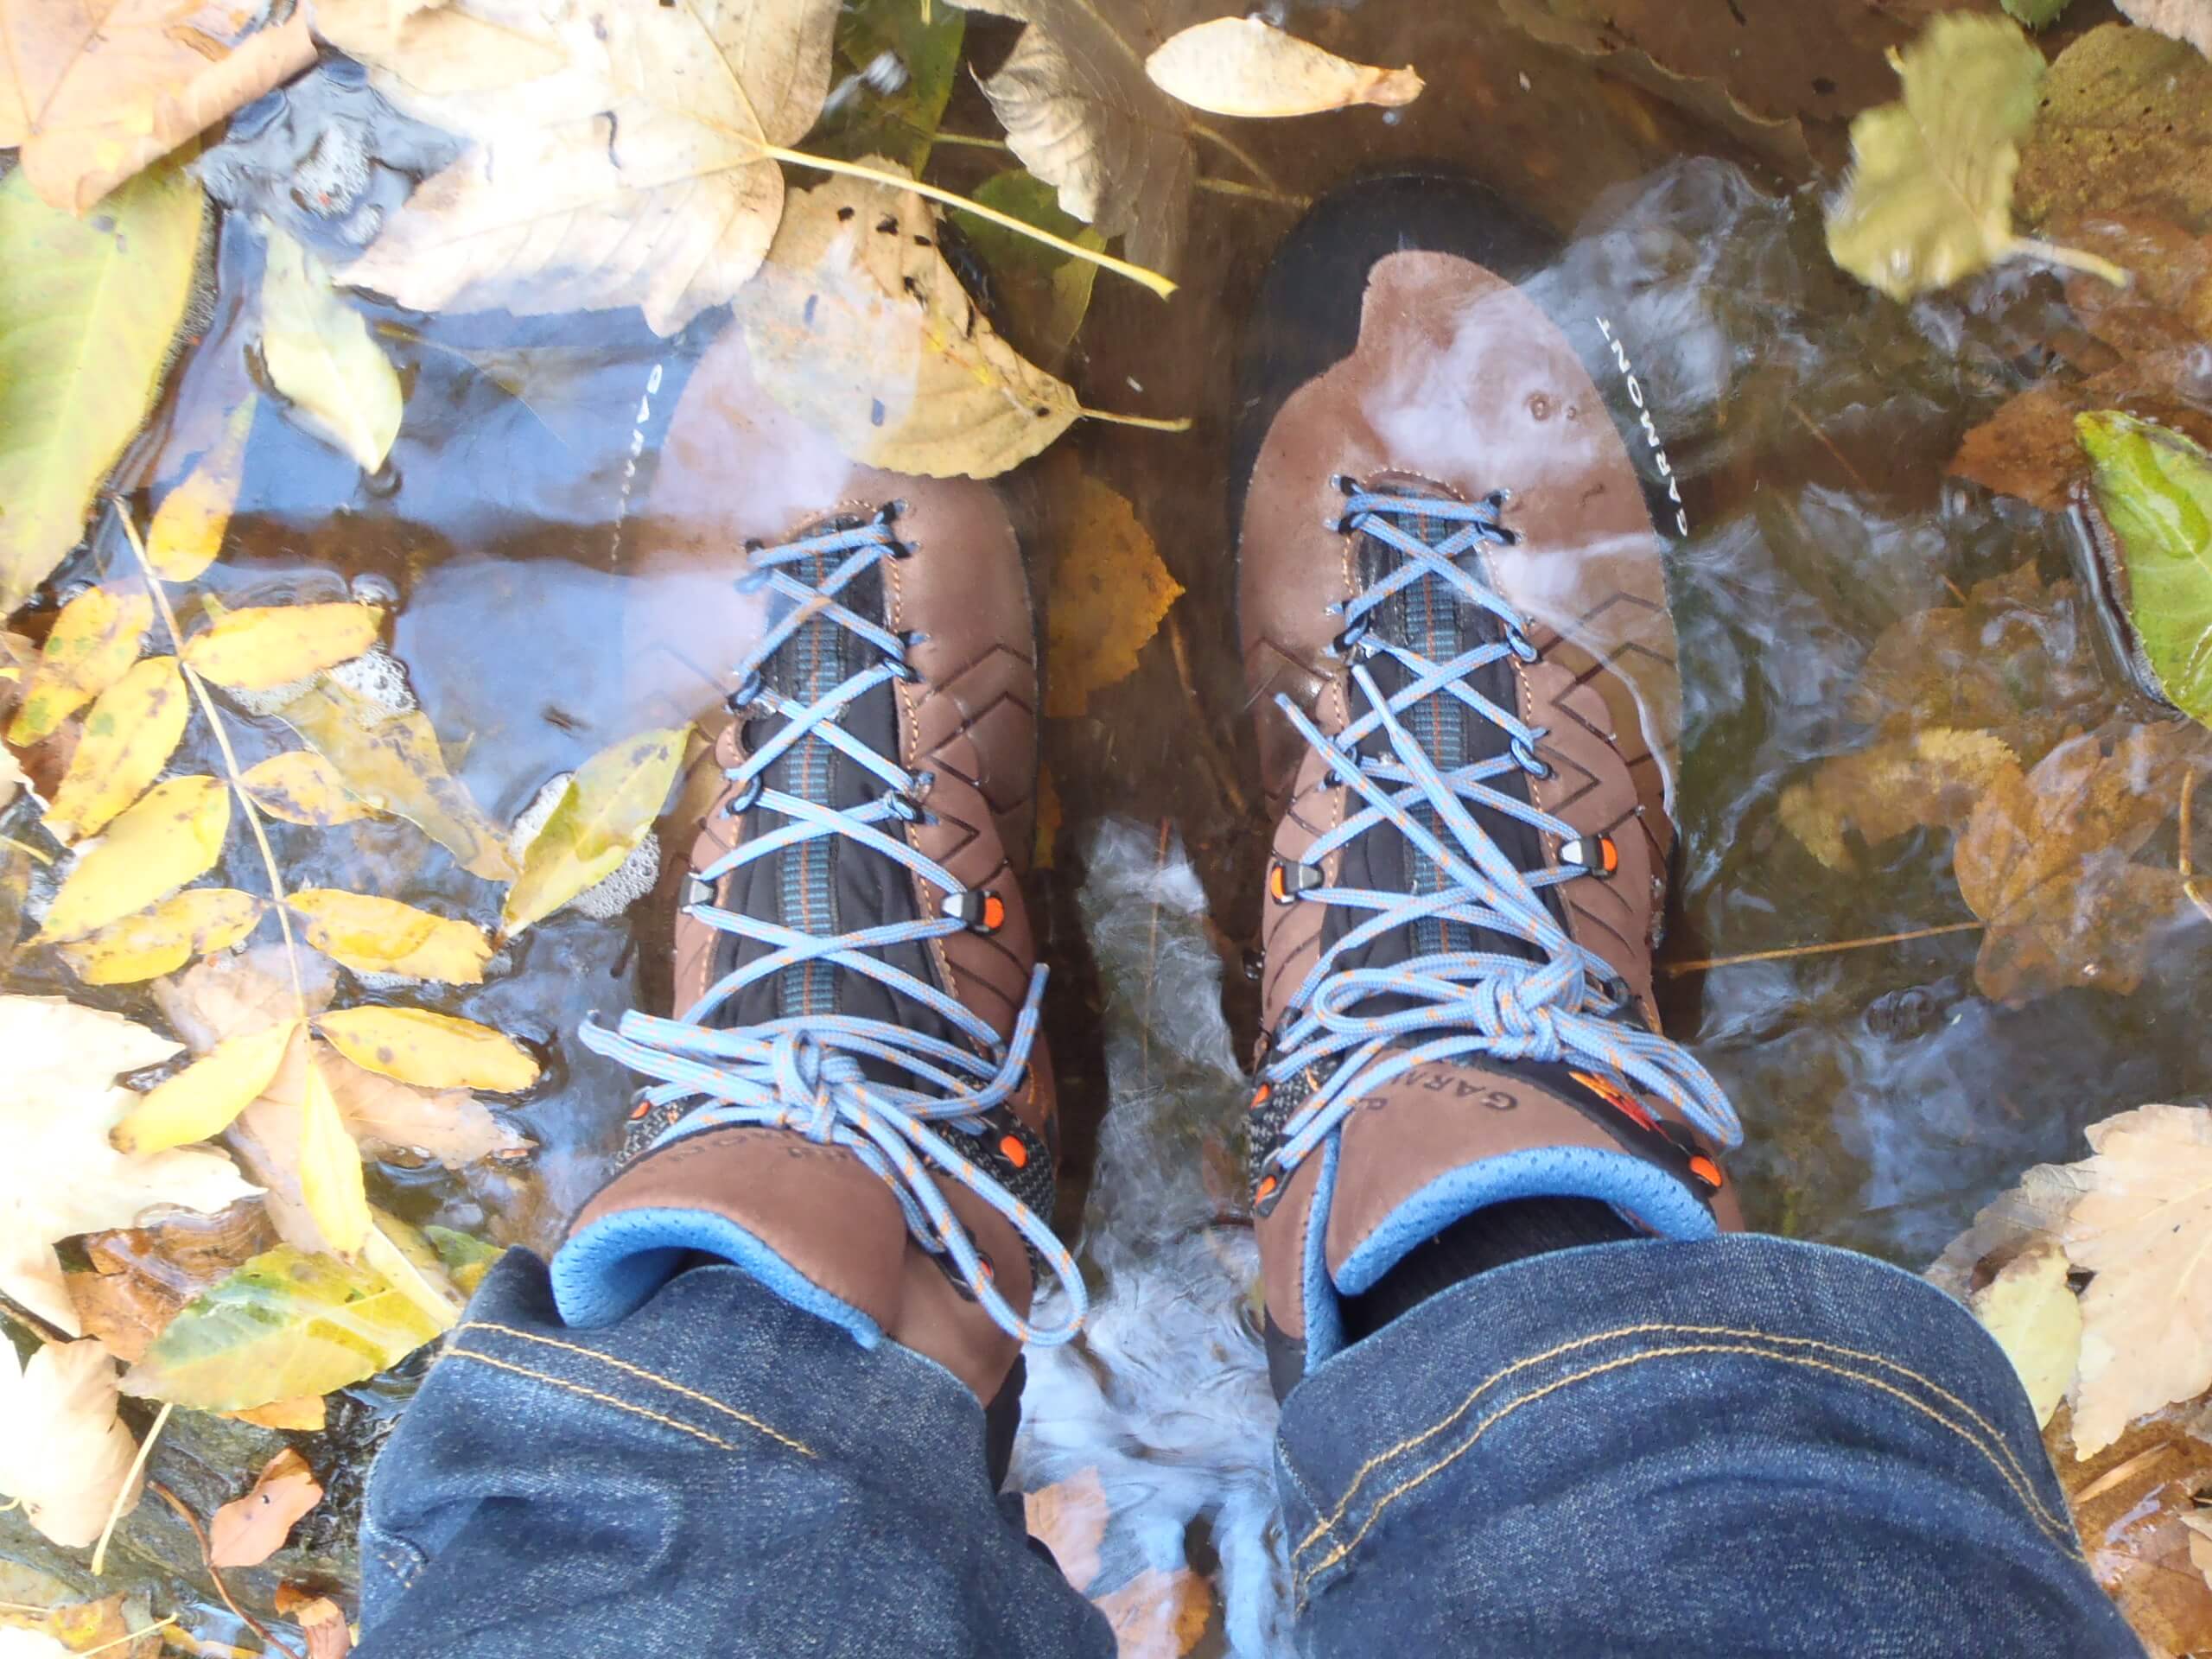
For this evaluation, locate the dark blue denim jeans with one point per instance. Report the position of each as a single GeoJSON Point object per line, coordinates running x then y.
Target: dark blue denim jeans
{"type": "Point", "coordinates": [1737, 1446]}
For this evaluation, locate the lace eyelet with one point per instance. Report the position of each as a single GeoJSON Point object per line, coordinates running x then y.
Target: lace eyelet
{"type": "Point", "coordinates": [1520, 644]}
{"type": "Point", "coordinates": [904, 808]}
{"type": "Point", "coordinates": [904, 672]}
{"type": "Point", "coordinates": [743, 801]}
{"type": "Point", "coordinates": [1526, 758]}
{"type": "Point", "coordinates": [746, 693]}
{"type": "Point", "coordinates": [1354, 639]}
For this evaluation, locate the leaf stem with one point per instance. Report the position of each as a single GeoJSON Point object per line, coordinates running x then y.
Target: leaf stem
{"type": "Point", "coordinates": [1243, 156]}
{"type": "Point", "coordinates": [214, 1574]}
{"type": "Point", "coordinates": [130, 1485]}
{"type": "Point", "coordinates": [230, 762]}
{"type": "Point", "coordinates": [2032, 247]}
{"type": "Point", "coordinates": [1151, 279]}
{"type": "Point", "coordinates": [1676, 970]}
{"type": "Point", "coordinates": [1253, 193]}
{"type": "Point", "coordinates": [1150, 423]}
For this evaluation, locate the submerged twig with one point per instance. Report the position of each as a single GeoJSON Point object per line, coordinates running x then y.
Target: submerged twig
{"type": "Point", "coordinates": [214, 1574]}
{"type": "Point", "coordinates": [129, 1480]}
{"type": "Point", "coordinates": [1676, 970]}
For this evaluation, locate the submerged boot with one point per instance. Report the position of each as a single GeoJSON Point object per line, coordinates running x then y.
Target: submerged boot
{"type": "Point", "coordinates": [851, 1102]}
{"type": "Point", "coordinates": [1456, 629]}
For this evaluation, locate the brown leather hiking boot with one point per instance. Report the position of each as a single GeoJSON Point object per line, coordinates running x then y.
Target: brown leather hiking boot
{"type": "Point", "coordinates": [1456, 629]}
{"type": "Point", "coordinates": [851, 1101]}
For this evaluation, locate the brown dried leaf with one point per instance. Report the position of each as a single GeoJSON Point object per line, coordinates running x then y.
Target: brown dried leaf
{"type": "Point", "coordinates": [2125, 124]}
{"type": "Point", "coordinates": [248, 1530]}
{"type": "Point", "coordinates": [1932, 777]}
{"type": "Point", "coordinates": [1247, 67]}
{"type": "Point", "coordinates": [1158, 1614]}
{"type": "Point", "coordinates": [1110, 591]}
{"type": "Point", "coordinates": [323, 1623]}
{"type": "Point", "coordinates": [385, 1115]}
{"type": "Point", "coordinates": [1069, 1517]}
{"type": "Point", "coordinates": [2133, 1504]}
{"type": "Point", "coordinates": [141, 1277]}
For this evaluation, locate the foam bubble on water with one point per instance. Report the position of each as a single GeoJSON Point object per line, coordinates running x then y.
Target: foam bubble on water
{"type": "Point", "coordinates": [607, 898]}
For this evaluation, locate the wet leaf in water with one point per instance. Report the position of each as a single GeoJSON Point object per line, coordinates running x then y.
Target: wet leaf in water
{"type": "Point", "coordinates": [2031, 1309]}
{"type": "Point", "coordinates": [2037, 14]}
{"type": "Point", "coordinates": [858, 326]}
{"type": "Point", "coordinates": [63, 1451]}
{"type": "Point", "coordinates": [129, 737]}
{"type": "Point", "coordinates": [1048, 291]}
{"type": "Point", "coordinates": [93, 93]}
{"type": "Point", "coordinates": [285, 1324]}
{"type": "Point", "coordinates": [2126, 125]}
{"type": "Point", "coordinates": [1069, 1518]}
{"type": "Point", "coordinates": [1246, 67]}
{"type": "Point", "coordinates": [382, 936]}
{"type": "Point", "coordinates": [542, 213]}
{"type": "Point", "coordinates": [407, 1263]}
{"type": "Point", "coordinates": [1109, 592]}
{"type": "Point", "coordinates": [300, 786]}
{"type": "Point", "coordinates": [1158, 1614]}
{"type": "Point", "coordinates": [331, 1184]}
{"type": "Point", "coordinates": [433, 1051]}
{"type": "Point", "coordinates": [1080, 112]}
{"type": "Point", "coordinates": [1930, 197]}
{"type": "Point", "coordinates": [467, 1259]}
{"type": "Point", "coordinates": [2046, 861]}
{"type": "Point", "coordinates": [323, 1627]}
{"type": "Point", "coordinates": [62, 1178]}
{"type": "Point", "coordinates": [271, 645]}
{"type": "Point", "coordinates": [2182, 20]}
{"type": "Point", "coordinates": [883, 112]}
{"type": "Point", "coordinates": [1932, 777]}
{"type": "Point", "coordinates": [188, 527]}
{"type": "Point", "coordinates": [389, 1117]}
{"type": "Point", "coordinates": [200, 1101]}
{"type": "Point", "coordinates": [602, 816]}
{"type": "Point", "coordinates": [2133, 1504]}
{"type": "Point", "coordinates": [174, 835]}
{"type": "Point", "coordinates": [247, 1531]}
{"type": "Point", "coordinates": [94, 641]}
{"type": "Point", "coordinates": [197, 922]}
{"type": "Point", "coordinates": [87, 309]}
{"type": "Point", "coordinates": [2155, 489]}
{"type": "Point", "coordinates": [307, 1414]}
{"type": "Point", "coordinates": [319, 354]}
{"type": "Point", "coordinates": [389, 758]}
{"type": "Point", "coordinates": [141, 1277]}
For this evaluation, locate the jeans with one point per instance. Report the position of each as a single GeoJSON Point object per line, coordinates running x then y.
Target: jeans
{"type": "Point", "coordinates": [1736, 1445]}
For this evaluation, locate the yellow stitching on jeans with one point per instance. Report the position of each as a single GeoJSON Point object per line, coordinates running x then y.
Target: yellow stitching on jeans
{"type": "Point", "coordinates": [1327, 1523]}
{"type": "Point", "coordinates": [749, 1421]}
{"type": "Point", "coordinates": [2064, 1536]}
{"type": "Point", "coordinates": [590, 1394]}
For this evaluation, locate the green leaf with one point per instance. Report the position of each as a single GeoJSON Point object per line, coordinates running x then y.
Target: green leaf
{"type": "Point", "coordinates": [602, 816]}
{"type": "Point", "coordinates": [467, 1259]}
{"type": "Point", "coordinates": [2155, 487]}
{"type": "Point", "coordinates": [1048, 291]}
{"type": "Point", "coordinates": [923, 37]}
{"type": "Point", "coordinates": [1930, 197]}
{"type": "Point", "coordinates": [87, 309]}
{"type": "Point", "coordinates": [2037, 14]}
{"type": "Point", "coordinates": [285, 1324]}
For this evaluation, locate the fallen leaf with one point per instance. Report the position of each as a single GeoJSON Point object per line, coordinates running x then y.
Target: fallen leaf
{"type": "Point", "coordinates": [1109, 592]}
{"type": "Point", "coordinates": [1158, 1614]}
{"type": "Point", "coordinates": [141, 1277]}
{"type": "Point", "coordinates": [129, 737]}
{"type": "Point", "coordinates": [322, 1622]}
{"type": "Point", "coordinates": [331, 1185]}
{"type": "Point", "coordinates": [188, 527]}
{"type": "Point", "coordinates": [1046, 293]}
{"type": "Point", "coordinates": [285, 1324]}
{"type": "Point", "coordinates": [300, 786]}
{"type": "Point", "coordinates": [228, 996]}
{"type": "Point", "coordinates": [409, 1264]}
{"type": "Point", "coordinates": [2181, 20]}
{"type": "Point", "coordinates": [94, 91]}
{"type": "Point", "coordinates": [2045, 861]}
{"type": "Point", "coordinates": [542, 213]}
{"type": "Point", "coordinates": [2155, 489]}
{"type": "Point", "coordinates": [387, 1117]}
{"type": "Point", "coordinates": [172, 836]}
{"type": "Point", "coordinates": [63, 1451]}
{"type": "Point", "coordinates": [1069, 1517]}
{"type": "Point", "coordinates": [1934, 776]}
{"type": "Point", "coordinates": [382, 936]}
{"type": "Point", "coordinates": [390, 759]}
{"type": "Point", "coordinates": [197, 922]}
{"type": "Point", "coordinates": [247, 1531]}
{"type": "Point", "coordinates": [1082, 115]}
{"type": "Point", "coordinates": [434, 1051]}
{"type": "Point", "coordinates": [339, 383]}
{"type": "Point", "coordinates": [858, 326]}
{"type": "Point", "coordinates": [2125, 124]}
{"type": "Point", "coordinates": [1930, 196]}
{"type": "Point", "coordinates": [307, 1414]}
{"type": "Point", "coordinates": [46, 1610]}
{"type": "Point", "coordinates": [2139, 1226]}
{"type": "Point", "coordinates": [606, 810]}
{"type": "Point", "coordinates": [1246, 67]}
{"type": "Point", "coordinates": [2133, 1504]}
{"type": "Point", "coordinates": [868, 118]}
{"type": "Point", "coordinates": [200, 1101]}
{"type": "Point", "coordinates": [2030, 1310]}
{"type": "Point", "coordinates": [271, 645]}
{"type": "Point", "coordinates": [467, 1259]}
{"type": "Point", "coordinates": [94, 641]}
{"type": "Point", "coordinates": [87, 309]}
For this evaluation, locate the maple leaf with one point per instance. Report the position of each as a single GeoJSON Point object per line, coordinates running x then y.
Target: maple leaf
{"type": "Point", "coordinates": [62, 1178]}
{"type": "Point", "coordinates": [63, 1451]}
{"type": "Point", "coordinates": [1934, 776]}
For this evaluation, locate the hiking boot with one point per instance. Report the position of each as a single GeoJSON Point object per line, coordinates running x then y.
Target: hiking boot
{"type": "Point", "coordinates": [1456, 632]}
{"type": "Point", "coordinates": [850, 1100]}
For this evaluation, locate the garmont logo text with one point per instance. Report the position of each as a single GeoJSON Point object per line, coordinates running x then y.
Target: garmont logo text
{"type": "Point", "coordinates": [1650, 431]}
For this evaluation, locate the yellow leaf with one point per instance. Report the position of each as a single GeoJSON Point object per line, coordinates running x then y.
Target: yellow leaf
{"type": "Point", "coordinates": [411, 1266]}
{"type": "Point", "coordinates": [200, 1101]}
{"type": "Point", "coordinates": [331, 1185]}
{"type": "Point", "coordinates": [1241, 66]}
{"type": "Point", "coordinates": [128, 738]}
{"type": "Point", "coordinates": [90, 307]}
{"type": "Point", "coordinates": [319, 355]}
{"type": "Point", "coordinates": [602, 816]}
{"type": "Point", "coordinates": [2031, 1311]}
{"type": "Point", "coordinates": [197, 922]}
{"type": "Point", "coordinates": [175, 834]}
{"type": "Point", "coordinates": [305, 1413]}
{"type": "Point", "coordinates": [1109, 592]}
{"type": "Point", "coordinates": [382, 935]}
{"type": "Point", "coordinates": [94, 641]}
{"type": "Point", "coordinates": [433, 1051]}
{"type": "Point", "coordinates": [275, 644]}
{"type": "Point", "coordinates": [300, 786]}
{"type": "Point", "coordinates": [389, 758]}
{"type": "Point", "coordinates": [188, 527]}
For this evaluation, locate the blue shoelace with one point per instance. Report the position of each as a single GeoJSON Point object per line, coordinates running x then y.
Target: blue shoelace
{"type": "Point", "coordinates": [805, 1073]}
{"type": "Point", "coordinates": [1451, 1004]}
